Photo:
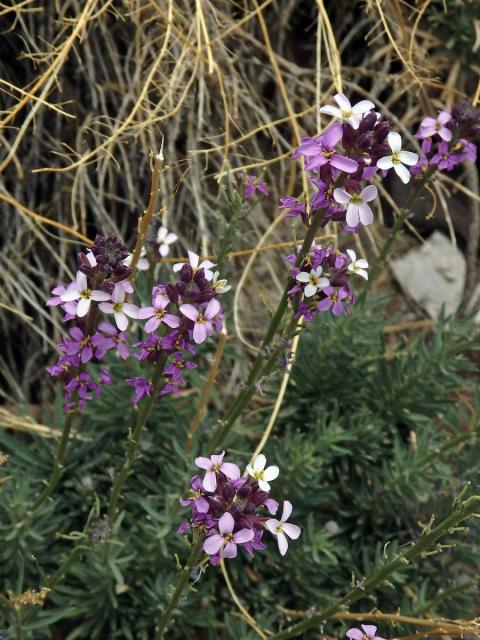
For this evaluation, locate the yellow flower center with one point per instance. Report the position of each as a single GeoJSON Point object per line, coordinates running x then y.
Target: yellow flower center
{"type": "Point", "coordinates": [117, 307]}
{"type": "Point", "coordinates": [396, 158]}
{"type": "Point", "coordinates": [228, 537]}
{"type": "Point", "coordinates": [327, 153]}
{"type": "Point", "coordinates": [347, 114]}
{"type": "Point", "coordinates": [258, 475]}
{"type": "Point", "coordinates": [313, 279]}
{"type": "Point", "coordinates": [356, 199]}
{"type": "Point", "coordinates": [159, 313]}
{"type": "Point", "coordinates": [85, 341]}
{"type": "Point", "coordinates": [438, 127]}
{"type": "Point", "coordinates": [279, 529]}
{"type": "Point", "coordinates": [86, 293]}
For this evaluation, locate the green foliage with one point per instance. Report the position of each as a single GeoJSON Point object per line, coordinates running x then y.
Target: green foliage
{"type": "Point", "coordinates": [454, 25]}
{"type": "Point", "coordinates": [374, 435]}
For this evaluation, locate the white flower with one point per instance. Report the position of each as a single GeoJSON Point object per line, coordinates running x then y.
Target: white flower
{"type": "Point", "coordinates": [262, 475]}
{"type": "Point", "coordinates": [280, 527]}
{"type": "Point", "coordinates": [194, 259]}
{"type": "Point", "coordinates": [79, 291]}
{"type": "Point", "coordinates": [397, 158]}
{"type": "Point", "coordinates": [220, 286]}
{"type": "Point", "coordinates": [315, 282]}
{"type": "Point", "coordinates": [119, 308]}
{"type": "Point", "coordinates": [357, 266]}
{"type": "Point", "coordinates": [357, 207]}
{"type": "Point", "coordinates": [142, 264]}
{"type": "Point", "coordinates": [164, 240]}
{"type": "Point", "coordinates": [346, 112]}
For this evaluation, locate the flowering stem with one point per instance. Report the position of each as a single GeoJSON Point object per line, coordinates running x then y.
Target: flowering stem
{"type": "Point", "coordinates": [398, 224]}
{"type": "Point", "coordinates": [134, 437]}
{"type": "Point", "coordinates": [57, 465]}
{"type": "Point", "coordinates": [263, 362]}
{"type": "Point", "coordinates": [182, 583]}
{"type": "Point", "coordinates": [461, 511]}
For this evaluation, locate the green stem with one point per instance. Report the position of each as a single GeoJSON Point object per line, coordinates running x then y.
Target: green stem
{"type": "Point", "coordinates": [398, 224]}
{"type": "Point", "coordinates": [263, 360]}
{"type": "Point", "coordinates": [182, 583]}
{"type": "Point", "coordinates": [134, 437]}
{"type": "Point", "coordinates": [58, 467]}
{"type": "Point", "coordinates": [460, 512]}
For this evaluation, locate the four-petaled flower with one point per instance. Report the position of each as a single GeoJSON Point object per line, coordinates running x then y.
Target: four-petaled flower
{"type": "Point", "coordinates": [202, 320]}
{"type": "Point", "coordinates": [164, 240]}
{"type": "Point", "coordinates": [397, 158]}
{"type": "Point", "coordinates": [196, 497]}
{"type": "Point", "coordinates": [194, 261]}
{"type": "Point", "coordinates": [320, 151]}
{"type": "Point", "coordinates": [358, 211]}
{"type": "Point", "coordinates": [368, 633]}
{"type": "Point", "coordinates": [214, 466]}
{"type": "Point", "coordinates": [281, 528]}
{"type": "Point", "coordinates": [220, 286]}
{"type": "Point", "coordinates": [315, 282]}
{"type": "Point", "coordinates": [262, 475]}
{"type": "Point", "coordinates": [336, 299]}
{"type": "Point", "coordinates": [119, 308]}
{"type": "Point", "coordinates": [357, 266]}
{"type": "Point", "coordinates": [226, 541]}
{"type": "Point", "coordinates": [80, 291]}
{"type": "Point", "coordinates": [346, 112]}
{"type": "Point", "coordinates": [430, 126]}
{"type": "Point", "coordinates": [158, 314]}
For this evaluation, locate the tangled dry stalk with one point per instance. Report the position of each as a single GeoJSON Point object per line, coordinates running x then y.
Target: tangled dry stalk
{"type": "Point", "coordinates": [88, 89]}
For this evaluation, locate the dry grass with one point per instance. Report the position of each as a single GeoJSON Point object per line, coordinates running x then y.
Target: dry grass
{"type": "Point", "coordinates": [88, 89]}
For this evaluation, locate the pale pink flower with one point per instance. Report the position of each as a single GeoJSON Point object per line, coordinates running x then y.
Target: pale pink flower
{"type": "Point", "coordinates": [120, 308]}
{"type": "Point", "coordinates": [281, 528]}
{"type": "Point", "coordinates": [226, 541]}
{"type": "Point", "coordinates": [194, 261]}
{"type": "Point", "coordinates": [358, 211]}
{"type": "Point", "coordinates": [431, 126]}
{"type": "Point", "coordinates": [215, 465]}
{"type": "Point", "coordinates": [346, 112]}
{"type": "Point", "coordinates": [203, 326]}
{"type": "Point", "coordinates": [158, 314]}
{"type": "Point", "coordinates": [164, 240]}
{"type": "Point", "coordinates": [79, 291]}
{"type": "Point", "coordinates": [368, 633]}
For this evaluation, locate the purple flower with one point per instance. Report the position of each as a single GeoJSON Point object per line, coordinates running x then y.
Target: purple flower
{"type": "Point", "coordinates": [177, 365]}
{"type": "Point", "coordinates": [64, 365]}
{"type": "Point", "coordinates": [444, 159]}
{"type": "Point", "coordinates": [215, 465]}
{"type": "Point", "coordinates": [251, 187]}
{"type": "Point", "coordinates": [294, 208]}
{"type": "Point", "coordinates": [320, 151]}
{"type": "Point", "coordinates": [226, 541]}
{"type": "Point", "coordinates": [112, 338]}
{"type": "Point", "coordinates": [203, 325]}
{"type": "Point", "coordinates": [196, 497]}
{"type": "Point", "coordinates": [431, 126]}
{"type": "Point", "coordinates": [141, 386]}
{"type": "Point", "coordinates": [158, 314]}
{"type": "Point", "coordinates": [368, 633]}
{"type": "Point", "coordinates": [81, 344]}
{"type": "Point", "coordinates": [336, 300]}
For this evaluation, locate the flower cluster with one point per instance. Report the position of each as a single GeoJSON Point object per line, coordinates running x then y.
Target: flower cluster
{"type": "Point", "coordinates": [449, 139]}
{"type": "Point", "coordinates": [343, 159]}
{"type": "Point", "coordinates": [322, 281]}
{"type": "Point", "coordinates": [230, 511]}
{"type": "Point", "coordinates": [180, 316]}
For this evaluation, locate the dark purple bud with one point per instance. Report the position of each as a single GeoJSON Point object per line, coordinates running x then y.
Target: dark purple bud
{"type": "Point", "coordinates": [186, 273]}
{"type": "Point", "coordinates": [173, 292]}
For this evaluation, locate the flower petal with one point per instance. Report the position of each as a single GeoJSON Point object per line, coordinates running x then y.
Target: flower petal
{"type": "Point", "coordinates": [121, 320]}
{"type": "Point", "coordinates": [189, 311]}
{"type": "Point", "coordinates": [264, 486]}
{"type": "Point", "coordinates": [229, 551]}
{"type": "Point", "coordinates": [355, 634]}
{"type": "Point", "coordinates": [203, 463]}
{"type": "Point", "coordinates": [259, 462]}
{"type": "Point", "coordinates": [100, 296]}
{"type": "Point", "coordinates": [408, 157]}
{"type": "Point", "coordinates": [342, 101]}
{"type": "Point", "coordinates": [331, 111]}
{"type": "Point", "coordinates": [402, 172]}
{"type": "Point", "coordinates": [287, 510]}
{"type": "Point", "coordinates": [362, 107]}
{"type": "Point", "coordinates": [272, 524]}
{"type": "Point", "coordinates": [369, 629]}
{"type": "Point", "coordinates": [244, 535]}
{"type": "Point", "coordinates": [213, 307]}
{"type": "Point", "coordinates": [210, 481]}
{"type": "Point", "coordinates": [226, 523]}
{"type": "Point", "coordinates": [395, 141]}
{"type": "Point", "coordinates": [341, 196]}
{"type": "Point", "coordinates": [70, 295]}
{"type": "Point", "coordinates": [293, 531]}
{"type": "Point", "coordinates": [369, 193]}
{"type": "Point", "coordinates": [385, 163]}
{"type": "Point", "coordinates": [303, 276]}
{"type": "Point", "coordinates": [353, 217]}
{"type": "Point", "coordinates": [365, 214]}
{"type": "Point", "coordinates": [130, 309]}
{"type": "Point", "coordinates": [199, 332]}
{"type": "Point", "coordinates": [230, 470]}
{"type": "Point", "coordinates": [344, 164]}
{"type": "Point", "coordinates": [83, 307]}
{"type": "Point", "coordinates": [282, 543]}
{"type": "Point", "coordinates": [213, 544]}
{"type": "Point", "coordinates": [145, 312]}
{"type": "Point", "coordinates": [271, 472]}
{"type": "Point", "coordinates": [310, 290]}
